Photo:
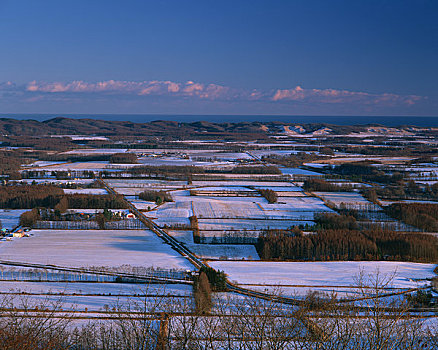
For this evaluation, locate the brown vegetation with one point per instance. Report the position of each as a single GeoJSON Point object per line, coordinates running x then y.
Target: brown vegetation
{"type": "Point", "coordinates": [123, 158]}
{"type": "Point", "coordinates": [270, 195]}
{"type": "Point", "coordinates": [339, 238]}
{"type": "Point", "coordinates": [421, 215]}
{"type": "Point", "coordinates": [29, 196]}
{"type": "Point", "coordinates": [314, 184]}
{"type": "Point", "coordinates": [158, 197]}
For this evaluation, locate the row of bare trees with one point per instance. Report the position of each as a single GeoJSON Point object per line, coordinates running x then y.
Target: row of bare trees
{"type": "Point", "coordinates": [224, 322]}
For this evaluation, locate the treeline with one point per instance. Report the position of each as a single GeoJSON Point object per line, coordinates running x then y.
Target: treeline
{"type": "Point", "coordinates": [331, 221]}
{"type": "Point", "coordinates": [314, 184]}
{"type": "Point", "coordinates": [189, 170]}
{"type": "Point", "coordinates": [293, 160]}
{"type": "Point", "coordinates": [397, 151]}
{"type": "Point", "coordinates": [123, 158]}
{"type": "Point", "coordinates": [345, 244]}
{"type": "Point", "coordinates": [10, 162]}
{"type": "Point", "coordinates": [158, 197]}
{"type": "Point", "coordinates": [421, 215]}
{"type": "Point", "coordinates": [120, 158]}
{"type": "Point", "coordinates": [41, 143]}
{"type": "Point", "coordinates": [165, 322]}
{"type": "Point", "coordinates": [364, 171]}
{"type": "Point", "coordinates": [165, 170]}
{"type": "Point", "coordinates": [71, 157]}
{"type": "Point", "coordinates": [339, 237]}
{"type": "Point", "coordinates": [48, 196]}
{"type": "Point", "coordinates": [29, 196]}
{"type": "Point", "coordinates": [268, 169]}
{"type": "Point", "coordinates": [409, 190]}
{"type": "Point", "coordinates": [94, 201]}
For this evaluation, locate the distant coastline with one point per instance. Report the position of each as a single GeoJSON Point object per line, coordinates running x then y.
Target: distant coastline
{"type": "Point", "coordinates": [422, 121]}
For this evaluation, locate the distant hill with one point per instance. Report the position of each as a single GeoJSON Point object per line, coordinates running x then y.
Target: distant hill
{"type": "Point", "coordinates": [250, 130]}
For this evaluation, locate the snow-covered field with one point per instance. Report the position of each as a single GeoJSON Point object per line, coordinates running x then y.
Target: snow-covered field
{"type": "Point", "coordinates": [93, 288]}
{"type": "Point", "coordinates": [337, 198]}
{"type": "Point", "coordinates": [42, 163]}
{"type": "Point", "coordinates": [90, 296]}
{"type": "Point", "coordinates": [96, 165]}
{"type": "Point", "coordinates": [250, 225]}
{"type": "Point", "coordinates": [225, 251]}
{"type": "Point", "coordinates": [10, 218]}
{"type": "Point", "coordinates": [216, 251]}
{"type": "Point", "coordinates": [321, 274]}
{"type": "Point", "coordinates": [81, 248]}
{"type": "Point", "coordinates": [298, 171]}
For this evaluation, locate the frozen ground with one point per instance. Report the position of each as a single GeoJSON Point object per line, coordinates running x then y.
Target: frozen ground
{"type": "Point", "coordinates": [94, 288]}
{"type": "Point", "coordinates": [337, 198]}
{"type": "Point", "coordinates": [298, 171]}
{"type": "Point", "coordinates": [216, 251]}
{"type": "Point", "coordinates": [336, 273]}
{"type": "Point", "coordinates": [41, 163]}
{"type": "Point", "coordinates": [96, 165]}
{"type": "Point", "coordinates": [81, 248]}
{"type": "Point", "coordinates": [225, 251]}
{"type": "Point", "coordinates": [92, 296]}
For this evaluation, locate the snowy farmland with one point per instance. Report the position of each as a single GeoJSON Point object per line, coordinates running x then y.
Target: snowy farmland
{"type": "Point", "coordinates": [216, 251]}
{"type": "Point", "coordinates": [10, 218]}
{"type": "Point", "coordinates": [109, 248]}
{"type": "Point", "coordinates": [348, 198]}
{"type": "Point", "coordinates": [220, 215]}
{"type": "Point", "coordinates": [300, 277]}
{"type": "Point", "coordinates": [90, 297]}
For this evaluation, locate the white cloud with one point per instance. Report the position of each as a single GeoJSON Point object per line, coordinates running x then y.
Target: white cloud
{"type": "Point", "coordinates": [333, 96]}
{"type": "Point", "coordinates": [201, 91]}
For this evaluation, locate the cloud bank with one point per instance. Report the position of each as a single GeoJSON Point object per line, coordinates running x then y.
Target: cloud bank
{"type": "Point", "coordinates": [219, 97]}
{"type": "Point", "coordinates": [215, 92]}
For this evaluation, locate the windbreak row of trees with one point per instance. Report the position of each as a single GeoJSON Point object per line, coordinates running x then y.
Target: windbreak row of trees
{"type": "Point", "coordinates": [339, 237]}
{"type": "Point", "coordinates": [315, 184]}
{"type": "Point", "coordinates": [41, 143]}
{"type": "Point", "coordinates": [238, 323]}
{"type": "Point", "coordinates": [29, 196]}
{"type": "Point", "coordinates": [10, 162]}
{"type": "Point", "coordinates": [421, 215]}
{"type": "Point", "coordinates": [123, 158]}
{"type": "Point", "coordinates": [409, 190]}
{"type": "Point", "coordinates": [364, 171]}
{"type": "Point", "coordinates": [186, 170]}
{"type": "Point", "coordinates": [48, 196]}
{"type": "Point", "coordinates": [293, 160]}
{"type": "Point", "coordinates": [334, 245]}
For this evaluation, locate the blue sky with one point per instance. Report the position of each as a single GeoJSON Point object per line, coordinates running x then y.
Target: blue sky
{"type": "Point", "coordinates": [337, 57]}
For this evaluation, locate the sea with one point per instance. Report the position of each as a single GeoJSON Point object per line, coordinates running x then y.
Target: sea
{"type": "Point", "coordinates": [422, 121]}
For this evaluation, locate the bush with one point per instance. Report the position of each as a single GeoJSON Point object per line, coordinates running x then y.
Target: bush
{"type": "Point", "coordinates": [270, 195]}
